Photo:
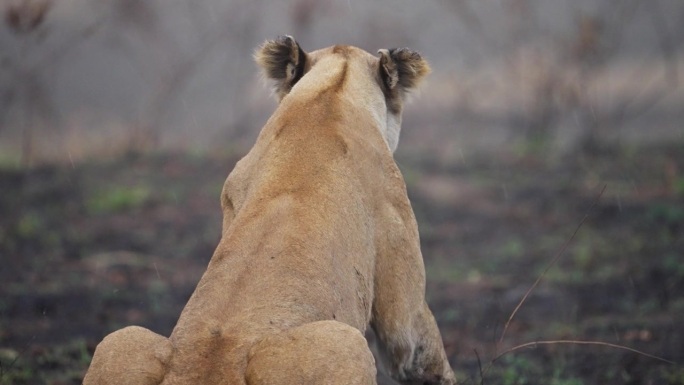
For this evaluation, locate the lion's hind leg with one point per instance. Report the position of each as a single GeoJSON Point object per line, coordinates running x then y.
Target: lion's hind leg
{"type": "Point", "coordinates": [132, 355]}
{"type": "Point", "coordinates": [323, 352]}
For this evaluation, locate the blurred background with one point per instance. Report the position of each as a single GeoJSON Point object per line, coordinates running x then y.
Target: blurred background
{"type": "Point", "coordinates": [120, 119]}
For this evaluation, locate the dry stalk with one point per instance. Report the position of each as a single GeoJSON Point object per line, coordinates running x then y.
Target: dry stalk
{"type": "Point", "coordinates": [479, 366]}
{"type": "Point", "coordinates": [553, 262]}
{"type": "Point", "coordinates": [534, 344]}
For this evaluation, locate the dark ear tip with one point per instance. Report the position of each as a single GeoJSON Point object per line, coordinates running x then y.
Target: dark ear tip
{"type": "Point", "coordinates": [286, 40]}
{"type": "Point", "coordinates": [406, 53]}
{"type": "Point", "coordinates": [403, 53]}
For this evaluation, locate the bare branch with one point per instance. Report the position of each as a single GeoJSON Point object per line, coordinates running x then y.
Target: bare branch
{"type": "Point", "coordinates": [479, 365]}
{"type": "Point", "coordinates": [666, 42]}
{"type": "Point", "coordinates": [577, 342]}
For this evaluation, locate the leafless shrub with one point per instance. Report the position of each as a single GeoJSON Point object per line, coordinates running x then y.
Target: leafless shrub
{"type": "Point", "coordinates": [563, 73]}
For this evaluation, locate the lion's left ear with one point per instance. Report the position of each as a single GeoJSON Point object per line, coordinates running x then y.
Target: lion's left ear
{"type": "Point", "coordinates": [401, 69]}
{"type": "Point", "coordinates": [283, 61]}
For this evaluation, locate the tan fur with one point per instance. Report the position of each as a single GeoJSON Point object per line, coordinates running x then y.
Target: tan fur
{"type": "Point", "coordinates": [319, 242]}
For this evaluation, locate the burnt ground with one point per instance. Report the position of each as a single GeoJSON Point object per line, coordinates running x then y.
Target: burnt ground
{"type": "Point", "coordinates": [89, 248]}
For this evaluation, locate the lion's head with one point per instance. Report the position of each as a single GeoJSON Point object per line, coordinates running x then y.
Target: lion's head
{"type": "Point", "coordinates": [378, 85]}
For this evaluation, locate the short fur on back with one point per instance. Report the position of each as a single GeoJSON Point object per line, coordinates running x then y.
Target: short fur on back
{"type": "Point", "coordinates": [319, 242]}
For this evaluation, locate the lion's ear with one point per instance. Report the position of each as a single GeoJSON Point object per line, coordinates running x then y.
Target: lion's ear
{"type": "Point", "coordinates": [283, 61]}
{"type": "Point", "coordinates": [401, 69]}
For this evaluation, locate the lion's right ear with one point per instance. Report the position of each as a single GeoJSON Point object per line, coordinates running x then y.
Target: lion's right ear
{"type": "Point", "coordinates": [401, 70]}
{"type": "Point", "coordinates": [283, 61]}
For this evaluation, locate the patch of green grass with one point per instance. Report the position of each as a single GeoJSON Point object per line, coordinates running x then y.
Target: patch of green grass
{"type": "Point", "coordinates": [118, 199]}
{"type": "Point", "coordinates": [566, 381]}
{"type": "Point", "coordinates": [9, 161]}
{"type": "Point", "coordinates": [512, 248]}
{"type": "Point", "coordinates": [674, 264]}
{"type": "Point", "coordinates": [533, 145]}
{"type": "Point", "coordinates": [674, 375]}
{"type": "Point", "coordinates": [666, 212]}
{"type": "Point", "coordinates": [29, 225]}
{"type": "Point", "coordinates": [462, 377]}
{"type": "Point", "coordinates": [519, 370]}
{"type": "Point", "coordinates": [60, 364]}
{"type": "Point", "coordinates": [678, 186]}
{"type": "Point", "coordinates": [8, 361]}
{"type": "Point", "coordinates": [439, 271]}
{"type": "Point", "coordinates": [594, 257]}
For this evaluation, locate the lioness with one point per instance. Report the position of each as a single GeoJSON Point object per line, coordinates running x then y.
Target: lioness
{"type": "Point", "coordinates": [319, 241]}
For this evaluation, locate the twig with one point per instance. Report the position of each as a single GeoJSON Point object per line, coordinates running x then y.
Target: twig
{"type": "Point", "coordinates": [3, 371]}
{"type": "Point", "coordinates": [576, 342]}
{"type": "Point", "coordinates": [479, 365]}
{"type": "Point", "coordinates": [11, 365]}
{"type": "Point", "coordinates": [666, 42]}
{"type": "Point", "coordinates": [553, 262]}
